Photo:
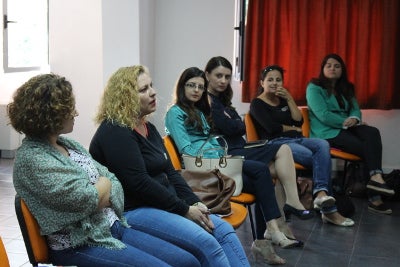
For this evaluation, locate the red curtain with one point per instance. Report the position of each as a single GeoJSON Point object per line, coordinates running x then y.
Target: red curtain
{"type": "Point", "coordinates": [297, 34]}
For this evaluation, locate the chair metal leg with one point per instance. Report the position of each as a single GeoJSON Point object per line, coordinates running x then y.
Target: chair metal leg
{"type": "Point", "coordinates": [253, 232]}
{"type": "Point", "coordinates": [345, 182]}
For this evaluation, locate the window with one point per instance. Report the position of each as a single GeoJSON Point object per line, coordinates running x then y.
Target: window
{"type": "Point", "coordinates": [25, 35]}
{"type": "Point", "coordinates": [240, 20]}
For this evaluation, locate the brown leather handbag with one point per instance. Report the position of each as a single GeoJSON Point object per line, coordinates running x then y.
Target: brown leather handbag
{"type": "Point", "coordinates": [305, 189]}
{"type": "Point", "coordinates": [213, 188]}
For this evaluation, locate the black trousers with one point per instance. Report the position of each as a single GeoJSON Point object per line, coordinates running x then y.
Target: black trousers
{"type": "Point", "coordinates": [364, 141]}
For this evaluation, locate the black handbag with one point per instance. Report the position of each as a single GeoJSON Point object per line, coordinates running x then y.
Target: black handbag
{"type": "Point", "coordinates": [356, 180]}
{"type": "Point", "coordinates": [392, 179]}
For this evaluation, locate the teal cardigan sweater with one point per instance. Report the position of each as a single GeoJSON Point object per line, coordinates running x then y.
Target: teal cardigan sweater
{"type": "Point", "coordinates": [326, 116]}
{"type": "Point", "coordinates": [60, 196]}
{"type": "Point", "coordinates": [188, 139]}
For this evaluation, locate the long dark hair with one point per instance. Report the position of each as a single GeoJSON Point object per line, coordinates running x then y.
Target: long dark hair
{"type": "Point", "coordinates": [225, 96]}
{"type": "Point", "coordinates": [264, 73]}
{"type": "Point", "coordinates": [342, 86]}
{"type": "Point", "coordinates": [188, 106]}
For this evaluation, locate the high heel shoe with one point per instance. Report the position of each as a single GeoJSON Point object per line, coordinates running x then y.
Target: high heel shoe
{"type": "Point", "coordinates": [279, 239]}
{"type": "Point", "coordinates": [301, 214]}
{"type": "Point", "coordinates": [299, 243]}
{"type": "Point", "coordinates": [347, 221]}
{"type": "Point", "coordinates": [264, 249]}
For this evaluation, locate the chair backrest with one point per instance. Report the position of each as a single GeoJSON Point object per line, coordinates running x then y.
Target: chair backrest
{"type": "Point", "coordinates": [251, 133]}
{"type": "Point", "coordinates": [3, 255]}
{"type": "Point", "coordinates": [172, 152]}
{"type": "Point", "coordinates": [36, 245]}
{"type": "Point", "coordinates": [305, 128]}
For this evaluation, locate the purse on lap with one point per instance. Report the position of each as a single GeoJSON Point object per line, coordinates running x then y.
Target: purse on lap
{"type": "Point", "coordinates": [213, 188]}
{"type": "Point", "coordinates": [230, 166]}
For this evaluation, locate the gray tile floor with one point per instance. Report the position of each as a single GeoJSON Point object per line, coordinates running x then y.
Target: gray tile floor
{"type": "Point", "coordinates": [9, 228]}
{"type": "Point", "coordinates": [373, 241]}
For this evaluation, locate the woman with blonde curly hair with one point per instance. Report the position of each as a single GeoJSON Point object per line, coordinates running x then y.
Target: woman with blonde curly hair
{"type": "Point", "coordinates": [132, 148]}
{"type": "Point", "coordinates": [77, 202]}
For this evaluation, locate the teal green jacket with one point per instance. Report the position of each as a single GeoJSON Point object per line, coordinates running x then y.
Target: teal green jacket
{"type": "Point", "coordinates": [60, 195]}
{"type": "Point", "coordinates": [326, 116]}
{"type": "Point", "coordinates": [188, 139]}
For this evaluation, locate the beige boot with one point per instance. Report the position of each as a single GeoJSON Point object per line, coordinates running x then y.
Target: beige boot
{"type": "Point", "coordinates": [264, 249]}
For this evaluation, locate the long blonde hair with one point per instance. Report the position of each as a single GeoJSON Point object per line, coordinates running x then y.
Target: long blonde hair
{"type": "Point", "coordinates": [120, 101]}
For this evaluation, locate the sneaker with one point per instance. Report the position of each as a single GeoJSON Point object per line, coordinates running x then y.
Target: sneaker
{"type": "Point", "coordinates": [381, 208]}
{"type": "Point", "coordinates": [380, 188]}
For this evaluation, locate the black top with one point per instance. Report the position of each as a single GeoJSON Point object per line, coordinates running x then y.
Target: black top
{"type": "Point", "coordinates": [268, 119]}
{"type": "Point", "coordinates": [232, 129]}
{"type": "Point", "coordinates": [143, 167]}
{"type": "Point", "coordinates": [228, 123]}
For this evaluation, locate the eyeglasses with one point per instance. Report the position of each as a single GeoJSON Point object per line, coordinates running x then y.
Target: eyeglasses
{"type": "Point", "coordinates": [194, 86]}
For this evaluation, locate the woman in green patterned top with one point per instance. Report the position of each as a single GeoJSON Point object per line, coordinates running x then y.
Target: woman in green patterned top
{"type": "Point", "coordinates": [77, 202]}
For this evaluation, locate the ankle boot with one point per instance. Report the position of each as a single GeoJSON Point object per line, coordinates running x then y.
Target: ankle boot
{"type": "Point", "coordinates": [264, 249]}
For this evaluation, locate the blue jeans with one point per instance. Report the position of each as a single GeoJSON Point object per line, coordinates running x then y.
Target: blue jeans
{"type": "Point", "coordinates": [312, 153]}
{"type": "Point", "coordinates": [142, 250]}
{"type": "Point", "coordinates": [222, 248]}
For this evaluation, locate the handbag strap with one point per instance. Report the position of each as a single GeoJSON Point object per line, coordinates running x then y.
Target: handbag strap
{"type": "Point", "coordinates": [200, 152]}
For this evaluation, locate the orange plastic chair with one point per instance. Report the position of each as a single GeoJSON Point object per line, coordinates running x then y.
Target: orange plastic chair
{"type": "Point", "coordinates": [239, 212]}
{"type": "Point", "coordinates": [36, 245]}
{"type": "Point", "coordinates": [335, 153]}
{"type": "Point", "coordinates": [238, 216]}
{"type": "Point", "coordinates": [172, 152]}
{"type": "Point", "coordinates": [252, 135]}
{"type": "Point", "coordinates": [247, 199]}
{"type": "Point", "coordinates": [3, 255]}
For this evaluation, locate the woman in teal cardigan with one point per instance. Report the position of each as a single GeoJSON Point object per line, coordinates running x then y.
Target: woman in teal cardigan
{"type": "Point", "coordinates": [335, 116]}
{"type": "Point", "coordinates": [77, 202]}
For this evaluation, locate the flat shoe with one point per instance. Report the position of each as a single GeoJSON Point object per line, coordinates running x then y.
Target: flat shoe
{"type": "Point", "coordinates": [380, 188]}
{"type": "Point", "coordinates": [323, 202]}
{"type": "Point", "coordinates": [347, 221]}
{"type": "Point", "coordinates": [278, 238]}
{"type": "Point", "coordinates": [268, 236]}
{"type": "Point", "coordinates": [381, 208]}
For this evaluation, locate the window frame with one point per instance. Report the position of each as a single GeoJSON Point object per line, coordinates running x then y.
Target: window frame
{"type": "Point", "coordinates": [6, 67]}
{"type": "Point", "coordinates": [240, 21]}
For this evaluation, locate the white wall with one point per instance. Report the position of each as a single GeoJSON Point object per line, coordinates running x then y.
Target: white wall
{"type": "Point", "coordinates": [188, 33]}
{"type": "Point", "coordinates": [76, 52]}
{"type": "Point", "coordinates": [90, 39]}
